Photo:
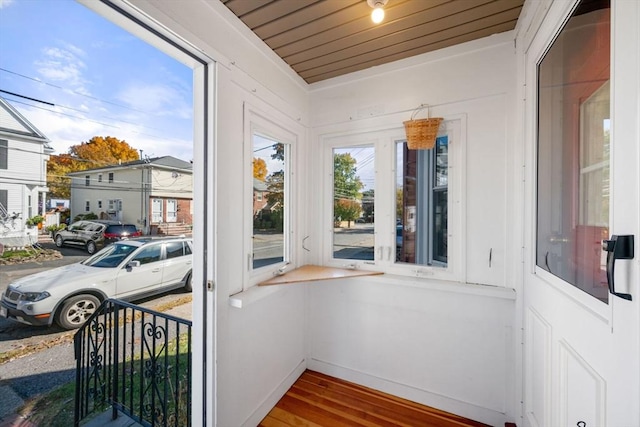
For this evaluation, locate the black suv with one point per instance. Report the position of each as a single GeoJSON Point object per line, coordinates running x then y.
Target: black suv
{"type": "Point", "coordinates": [92, 234]}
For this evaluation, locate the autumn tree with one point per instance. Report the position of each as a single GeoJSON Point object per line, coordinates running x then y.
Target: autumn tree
{"type": "Point", "coordinates": [259, 169]}
{"type": "Point", "coordinates": [97, 152]}
{"type": "Point", "coordinates": [347, 210]}
{"type": "Point", "coordinates": [58, 182]}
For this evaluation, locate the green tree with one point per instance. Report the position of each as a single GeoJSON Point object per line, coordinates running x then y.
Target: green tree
{"type": "Point", "coordinates": [346, 188]}
{"type": "Point", "coordinates": [346, 184]}
{"type": "Point", "coordinates": [400, 204]}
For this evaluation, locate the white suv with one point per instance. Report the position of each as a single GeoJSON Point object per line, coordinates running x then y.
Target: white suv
{"type": "Point", "coordinates": [128, 269]}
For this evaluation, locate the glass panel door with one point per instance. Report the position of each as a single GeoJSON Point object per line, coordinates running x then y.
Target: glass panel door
{"type": "Point", "coordinates": [573, 152]}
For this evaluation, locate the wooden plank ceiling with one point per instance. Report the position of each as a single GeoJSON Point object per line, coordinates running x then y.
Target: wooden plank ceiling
{"type": "Point", "coordinates": [321, 39]}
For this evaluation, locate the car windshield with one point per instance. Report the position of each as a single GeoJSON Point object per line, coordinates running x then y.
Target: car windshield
{"type": "Point", "coordinates": [109, 257]}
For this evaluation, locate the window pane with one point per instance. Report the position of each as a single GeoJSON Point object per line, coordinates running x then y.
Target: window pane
{"type": "Point", "coordinates": [422, 204]}
{"type": "Point", "coordinates": [353, 203]}
{"type": "Point", "coordinates": [573, 151]}
{"type": "Point", "coordinates": [269, 201]}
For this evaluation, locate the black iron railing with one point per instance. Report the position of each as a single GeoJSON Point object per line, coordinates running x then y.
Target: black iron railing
{"type": "Point", "coordinates": [136, 361]}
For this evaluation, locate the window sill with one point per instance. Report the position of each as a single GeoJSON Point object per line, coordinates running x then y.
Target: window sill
{"type": "Point", "coordinates": [313, 273]}
{"type": "Point", "coordinates": [304, 274]}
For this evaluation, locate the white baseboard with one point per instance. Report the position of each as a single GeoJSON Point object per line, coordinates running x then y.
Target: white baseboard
{"type": "Point", "coordinates": [270, 401]}
{"type": "Point", "coordinates": [424, 397]}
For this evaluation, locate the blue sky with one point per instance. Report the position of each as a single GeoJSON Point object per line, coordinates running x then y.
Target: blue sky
{"type": "Point", "coordinates": [102, 80]}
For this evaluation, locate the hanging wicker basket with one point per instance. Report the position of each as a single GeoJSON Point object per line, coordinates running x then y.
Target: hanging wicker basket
{"type": "Point", "coordinates": [422, 133]}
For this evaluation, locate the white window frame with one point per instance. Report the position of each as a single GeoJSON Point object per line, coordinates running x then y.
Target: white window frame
{"type": "Point", "coordinates": [157, 215]}
{"type": "Point", "coordinates": [383, 136]}
{"type": "Point", "coordinates": [99, 177]}
{"type": "Point", "coordinates": [87, 180]}
{"type": "Point", "coordinates": [281, 129]}
{"type": "Point", "coordinates": [87, 206]}
{"type": "Point", "coordinates": [172, 216]}
{"type": "Point", "coordinates": [111, 177]}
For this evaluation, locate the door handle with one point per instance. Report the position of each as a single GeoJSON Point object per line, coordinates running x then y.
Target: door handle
{"type": "Point", "coordinates": [619, 247]}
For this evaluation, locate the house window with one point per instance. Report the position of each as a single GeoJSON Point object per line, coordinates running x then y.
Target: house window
{"type": "Point", "coordinates": [259, 196]}
{"type": "Point", "coordinates": [270, 168]}
{"type": "Point", "coordinates": [4, 196]}
{"type": "Point", "coordinates": [573, 152]}
{"type": "Point", "coordinates": [4, 154]}
{"type": "Point", "coordinates": [99, 204]}
{"type": "Point", "coordinates": [353, 203]}
{"type": "Point", "coordinates": [110, 177]}
{"type": "Point", "coordinates": [87, 180]}
{"type": "Point", "coordinates": [172, 210]}
{"type": "Point", "coordinates": [269, 144]}
{"type": "Point", "coordinates": [87, 206]}
{"type": "Point", "coordinates": [99, 177]}
{"type": "Point", "coordinates": [157, 214]}
{"type": "Point", "coordinates": [29, 207]}
{"type": "Point", "coordinates": [396, 209]}
{"type": "Point", "coordinates": [422, 204]}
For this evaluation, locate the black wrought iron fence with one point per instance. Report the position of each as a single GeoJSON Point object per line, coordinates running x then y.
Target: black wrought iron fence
{"type": "Point", "coordinates": [136, 361]}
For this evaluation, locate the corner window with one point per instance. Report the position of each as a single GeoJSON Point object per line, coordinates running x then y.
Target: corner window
{"type": "Point", "coordinates": [353, 203]}
{"type": "Point", "coordinates": [395, 209]}
{"type": "Point", "coordinates": [269, 149]}
{"type": "Point", "coordinates": [422, 204]}
{"type": "Point", "coordinates": [269, 212]}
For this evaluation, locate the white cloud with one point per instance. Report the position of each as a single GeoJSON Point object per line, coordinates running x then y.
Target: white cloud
{"type": "Point", "coordinates": [5, 3]}
{"type": "Point", "coordinates": [64, 66]}
{"type": "Point", "coordinates": [65, 131]}
{"type": "Point", "coordinates": [157, 99]}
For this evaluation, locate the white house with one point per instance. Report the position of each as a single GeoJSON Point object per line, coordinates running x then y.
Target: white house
{"type": "Point", "coordinates": [24, 152]}
{"type": "Point", "coordinates": [152, 193]}
{"type": "Point", "coordinates": [505, 314]}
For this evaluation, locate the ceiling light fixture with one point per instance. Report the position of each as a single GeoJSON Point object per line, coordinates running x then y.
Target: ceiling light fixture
{"type": "Point", "coordinates": [378, 12]}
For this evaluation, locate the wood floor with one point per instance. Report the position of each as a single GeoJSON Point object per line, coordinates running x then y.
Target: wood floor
{"type": "Point", "coordinates": [320, 400]}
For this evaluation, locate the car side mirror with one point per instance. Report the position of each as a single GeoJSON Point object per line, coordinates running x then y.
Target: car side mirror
{"type": "Point", "coordinates": [133, 264]}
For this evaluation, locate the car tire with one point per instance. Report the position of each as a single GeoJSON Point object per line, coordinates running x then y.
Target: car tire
{"type": "Point", "coordinates": [76, 310]}
{"type": "Point", "coordinates": [187, 283]}
{"type": "Point", "coordinates": [91, 247]}
{"type": "Point", "coordinates": [59, 242]}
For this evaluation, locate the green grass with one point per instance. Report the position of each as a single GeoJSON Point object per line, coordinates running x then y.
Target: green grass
{"type": "Point", "coordinates": [55, 409]}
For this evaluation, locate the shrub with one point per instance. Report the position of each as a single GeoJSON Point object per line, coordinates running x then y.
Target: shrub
{"type": "Point", "coordinates": [34, 220]}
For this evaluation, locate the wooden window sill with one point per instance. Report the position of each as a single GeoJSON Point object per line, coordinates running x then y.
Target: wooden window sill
{"type": "Point", "coordinates": [313, 273]}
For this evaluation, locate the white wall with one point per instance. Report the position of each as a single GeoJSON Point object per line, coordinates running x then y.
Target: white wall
{"type": "Point", "coordinates": [431, 341]}
{"type": "Point", "coordinates": [450, 345]}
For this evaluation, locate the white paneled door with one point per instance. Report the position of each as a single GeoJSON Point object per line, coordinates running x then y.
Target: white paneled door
{"type": "Point", "coordinates": [581, 303]}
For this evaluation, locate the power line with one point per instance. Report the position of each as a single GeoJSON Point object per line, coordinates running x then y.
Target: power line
{"type": "Point", "coordinates": [72, 91]}
{"type": "Point", "coordinates": [95, 121]}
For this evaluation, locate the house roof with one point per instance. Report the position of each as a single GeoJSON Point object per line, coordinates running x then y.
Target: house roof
{"type": "Point", "coordinates": [259, 185]}
{"type": "Point", "coordinates": [14, 123]}
{"type": "Point", "coordinates": [165, 162]}
{"type": "Point", "coordinates": [321, 39]}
